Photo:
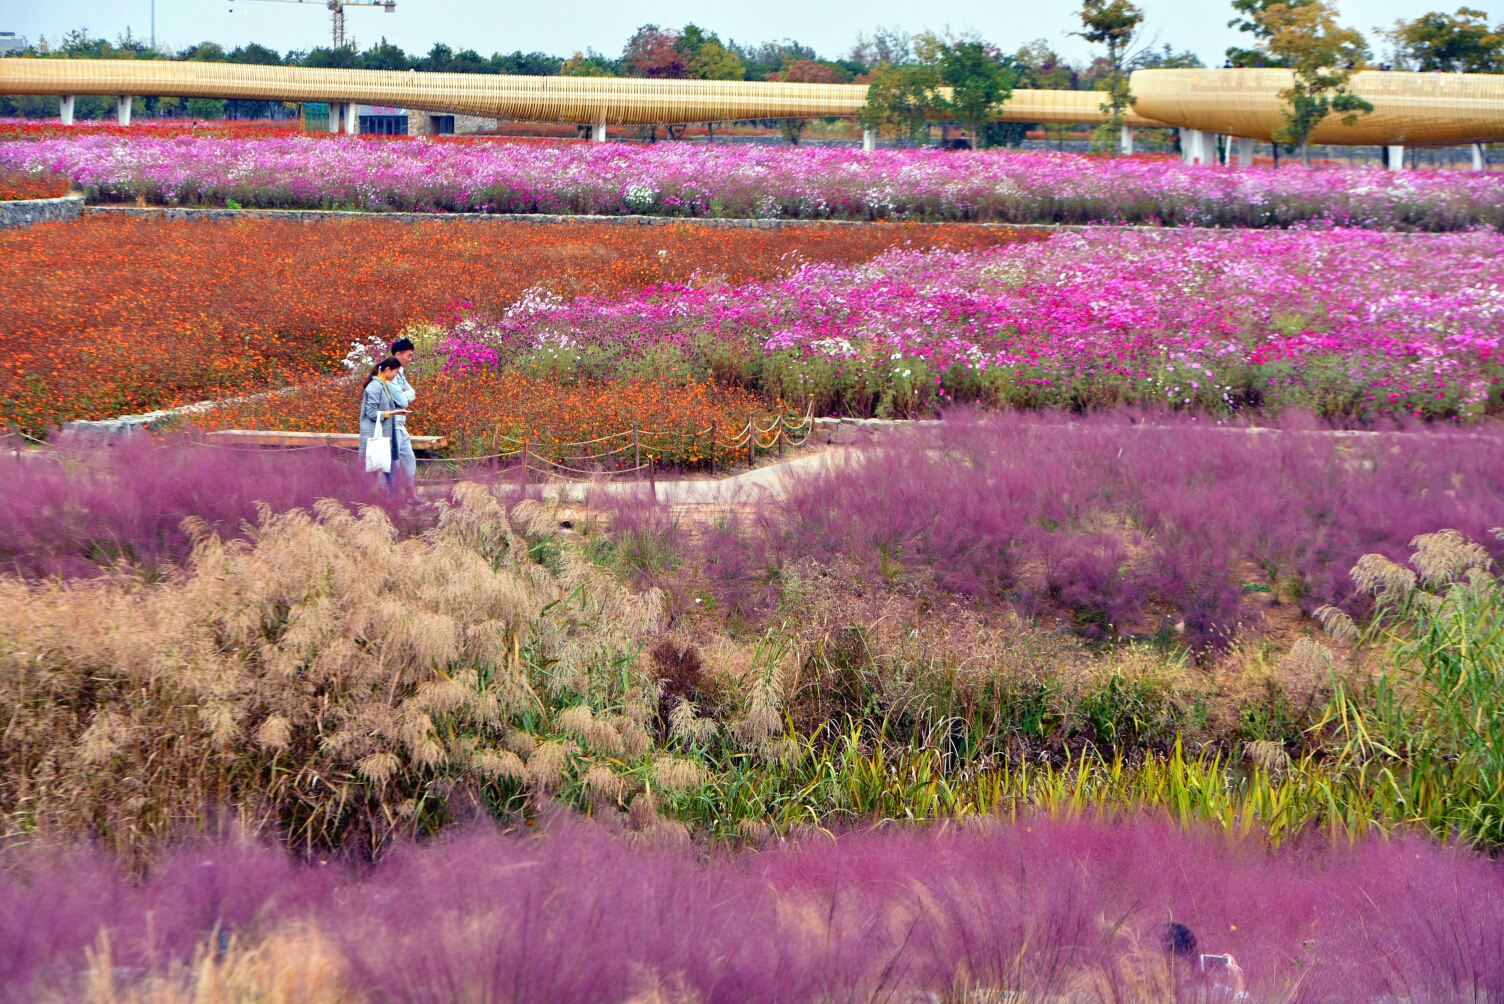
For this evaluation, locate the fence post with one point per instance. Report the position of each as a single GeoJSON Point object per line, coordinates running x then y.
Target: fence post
{"type": "Point", "coordinates": [751, 443]}
{"type": "Point", "coordinates": [636, 454]}
{"type": "Point", "coordinates": [653, 480]}
{"type": "Point", "coordinates": [712, 449]}
{"type": "Point", "coordinates": [780, 436]}
{"type": "Point", "coordinates": [522, 474]}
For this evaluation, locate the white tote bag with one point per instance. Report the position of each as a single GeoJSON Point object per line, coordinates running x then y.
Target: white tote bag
{"type": "Point", "coordinates": [379, 451]}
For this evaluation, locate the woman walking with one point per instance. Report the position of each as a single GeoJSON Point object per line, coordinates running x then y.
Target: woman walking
{"type": "Point", "coordinates": [379, 408]}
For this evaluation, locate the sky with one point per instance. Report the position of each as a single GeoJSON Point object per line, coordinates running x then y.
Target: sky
{"type": "Point", "coordinates": [830, 26]}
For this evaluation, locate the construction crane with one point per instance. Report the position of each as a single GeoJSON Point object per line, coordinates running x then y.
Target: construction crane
{"type": "Point", "coordinates": [337, 8]}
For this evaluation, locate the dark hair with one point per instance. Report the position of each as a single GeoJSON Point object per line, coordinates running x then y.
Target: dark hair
{"type": "Point", "coordinates": [402, 345]}
{"type": "Point", "coordinates": [1177, 939]}
{"type": "Point", "coordinates": [389, 363]}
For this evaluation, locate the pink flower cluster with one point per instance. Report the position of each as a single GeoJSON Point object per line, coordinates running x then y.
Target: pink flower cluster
{"type": "Point", "coordinates": [676, 179]}
{"type": "Point", "coordinates": [1350, 323]}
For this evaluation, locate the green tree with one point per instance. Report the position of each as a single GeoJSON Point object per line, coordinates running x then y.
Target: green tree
{"type": "Point", "coordinates": [384, 56]}
{"type": "Point", "coordinates": [255, 54]}
{"type": "Point", "coordinates": [1306, 38]}
{"type": "Point", "coordinates": [1112, 23]}
{"type": "Point", "coordinates": [713, 61]}
{"type": "Point", "coordinates": [1452, 43]}
{"type": "Point", "coordinates": [900, 100]}
{"type": "Point", "coordinates": [979, 79]}
{"type": "Point", "coordinates": [589, 64]}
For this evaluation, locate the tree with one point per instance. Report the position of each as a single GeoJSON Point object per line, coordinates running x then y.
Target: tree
{"type": "Point", "coordinates": [1165, 58]}
{"type": "Point", "coordinates": [892, 46]}
{"type": "Point", "coordinates": [804, 71]}
{"type": "Point", "coordinates": [255, 54]}
{"type": "Point", "coordinates": [582, 64]}
{"type": "Point", "coordinates": [654, 52]}
{"type": "Point", "coordinates": [900, 100]}
{"type": "Point", "coordinates": [1307, 39]}
{"type": "Point", "coordinates": [1249, 22]}
{"type": "Point", "coordinates": [1452, 43]}
{"type": "Point", "coordinates": [1112, 23]}
{"type": "Point", "coordinates": [713, 61]}
{"type": "Point", "coordinates": [979, 81]}
{"type": "Point", "coordinates": [383, 56]}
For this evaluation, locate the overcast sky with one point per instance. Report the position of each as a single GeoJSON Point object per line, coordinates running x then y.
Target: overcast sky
{"type": "Point", "coordinates": [560, 27]}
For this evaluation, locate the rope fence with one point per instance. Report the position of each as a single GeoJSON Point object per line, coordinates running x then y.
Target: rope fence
{"type": "Point", "coordinates": [646, 448]}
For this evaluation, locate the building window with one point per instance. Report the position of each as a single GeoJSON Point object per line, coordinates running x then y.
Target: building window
{"type": "Point", "coordinates": [383, 125]}
{"type": "Point", "coordinates": [442, 125]}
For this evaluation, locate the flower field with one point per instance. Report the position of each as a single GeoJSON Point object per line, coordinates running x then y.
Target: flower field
{"type": "Point", "coordinates": [112, 316]}
{"type": "Point", "coordinates": [28, 129]}
{"type": "Point", "coordinates": [752, 181]}
{"type": "Point", "coordinates": [1349, 324]}
{"type": "Point", "coordinates": [37, 185]}
{"type": "Point", "coordinates": [489, 412]}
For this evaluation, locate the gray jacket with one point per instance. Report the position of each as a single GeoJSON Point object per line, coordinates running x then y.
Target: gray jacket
{"type": "Point", "coordinates": [375, 406]}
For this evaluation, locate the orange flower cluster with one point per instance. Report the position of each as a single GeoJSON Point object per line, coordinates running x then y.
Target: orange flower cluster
{"type": "Point", "coordinates": [32, 186]}
{"type": "Point", "coordinates": [112, 315]}
{"type": "Point", "coordinates": [485, 412]}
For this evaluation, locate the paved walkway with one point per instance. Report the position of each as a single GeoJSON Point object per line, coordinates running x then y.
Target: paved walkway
{"type": "Point", "coordinates": [760, 484]}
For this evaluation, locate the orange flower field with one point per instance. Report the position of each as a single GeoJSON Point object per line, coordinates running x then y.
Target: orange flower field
{"type": "Point", "coordinates": [489, 412]}
{"type": "Point", "coordinates": [113, 315]}
{"type": "Point", "coordinates": [32, 186]}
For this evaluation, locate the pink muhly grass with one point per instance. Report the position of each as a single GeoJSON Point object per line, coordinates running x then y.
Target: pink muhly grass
{"type": "Point", "coordinates": [1039, 907]}
{"type": "Point", "coordinates": [1126, 523]}
{"type": "Point", "coordinates": [83, 506]}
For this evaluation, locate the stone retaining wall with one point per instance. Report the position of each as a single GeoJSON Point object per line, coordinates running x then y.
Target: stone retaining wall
{"type": "Point", "coordinates": [25, 212]}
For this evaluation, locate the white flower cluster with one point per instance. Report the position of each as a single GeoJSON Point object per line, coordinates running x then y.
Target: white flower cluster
{"type": "Point", "coordinates": [533, 301]}
{"type": "Point", "coordinates": [640, 198]}
{"type": "Point", "coordinates": [363, 355]}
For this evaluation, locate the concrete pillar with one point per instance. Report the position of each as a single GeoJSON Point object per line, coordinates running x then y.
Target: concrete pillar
{"type": "Point", "coordinates": [598, 132]}
{"type": "Point", "coordinates": [1394, 157]}
{"type": "Point", "coordinates": [869, 140]}
{"type": "Point", "coordinates": [1479, 164]}
{"type": "Point", "coordinates": [1245, 151]}
{"type": "Point", "coordinates": [336, 113]}
{"type": "Point", "coordinates": [1125, 141]}
{"type": "Point", "coordinates": [352, 118]}
{"type": "Point", "coordinates": [1197, 147]}
{"type": "Point", "coordinates": [65, 109]}
{"type": "Point", "coordinates": [123, 109]}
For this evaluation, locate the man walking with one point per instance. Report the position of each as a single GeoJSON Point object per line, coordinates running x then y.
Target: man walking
{"type": "Point", "coordinates": [404, 352]}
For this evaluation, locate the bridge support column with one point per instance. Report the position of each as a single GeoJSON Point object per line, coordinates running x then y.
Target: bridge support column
{"type": "Point", "coordinates": [352, 118]}
{"type": "Point", "coordinates": [869, 140]}
{"type": "Point", "coordinates": [1479, 164]}
{"type": "Point", "coordinates": [1197, 147]}
{"type": "Point", "coordinates": [1125, 141]}
{"type": "Point", "coordinates": [1245, 151]}
{"type": "Point", "coordinates": [336, 114]}
{"type": "Point", "coordinates": [598, 132]}
{"type": "Point", "coordinates": [65, 109]}
{"type": "Point", "coordinates": [1394, 157]}
{"type": "Point", "coordinates": [123, 109]}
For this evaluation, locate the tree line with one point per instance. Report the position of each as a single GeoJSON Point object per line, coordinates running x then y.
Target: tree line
{"type": "Point", "coordinates": [912, 80]}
